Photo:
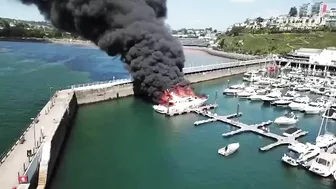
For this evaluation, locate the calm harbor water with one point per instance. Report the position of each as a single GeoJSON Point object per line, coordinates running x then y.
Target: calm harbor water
{"type": "Point", "coordinates": [125, 144]}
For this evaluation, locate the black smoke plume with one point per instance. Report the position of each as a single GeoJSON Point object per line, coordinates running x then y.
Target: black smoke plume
{"type": "Point", "coordinates": [134, 29]}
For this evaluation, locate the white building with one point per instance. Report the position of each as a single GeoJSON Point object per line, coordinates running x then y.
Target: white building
{"type": "Point", "coordinates": [330, 18]}
{"type": "Point", "coordinates": [305, 10]}
{"type": "Point", "coordinates": [326, 57]}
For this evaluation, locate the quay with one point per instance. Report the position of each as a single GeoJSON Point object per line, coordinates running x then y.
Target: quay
{"type": "Point", "coordinates": [40, 144]}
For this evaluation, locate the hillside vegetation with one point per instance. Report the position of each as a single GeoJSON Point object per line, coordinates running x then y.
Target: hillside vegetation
{"type": "Point", "coordinates": [279, 43]}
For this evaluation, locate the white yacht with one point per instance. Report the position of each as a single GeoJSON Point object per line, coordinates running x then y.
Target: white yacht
{"type": "Point", "coordinates": [299, 147]}
{"type": "Point", "coordinates": [290, 158]}
{"type": "Point", "coordinates": [326, 140]}
{"type": "Point", "coordinates": [334, 175]}
{"type": "Point", "coordinates": [316, 107]}
{"type": "Point", "coordinates": [290, 95]}
{"type": "Point", "coordinates": [247, 92]}
{"type": "Point", "coordinates": [330, 113]}
{"type": "Point", "coordinates": [306, 157]}
{"type": "Point", "coordinates": [251, 77]}
{"type": "Point", "coordinates": [319, 91]}
{"type": "Point", "coordinates": [273, 96]}
{"type": "Point", "coordinates": [330, 94]}
{"type": "Point", "coordinates": [229, 149]}
{"type": "Point", "coordinates": [234, 89]}
{"type": "Point", "coordinates": [177, 104]}
{"type": "Point", "coordinates": [259, 95]}
{"type": "Point", "coordinates": [281, 102]}
{"type": "Point", "coordinates": [324, 165]}
{"type": "Point", "coordinates": [287, 119]}
{"type": "Point", "coordinates": [299, 103]}
{"type": "Point", "coordinates": [303, 88]}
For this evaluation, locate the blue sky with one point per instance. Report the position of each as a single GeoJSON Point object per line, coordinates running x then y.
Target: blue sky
{"type": "Point", "coordinates": [218, 14]}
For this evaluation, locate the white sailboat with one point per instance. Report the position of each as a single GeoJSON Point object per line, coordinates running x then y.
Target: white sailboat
{"type": "Point", "coordinates": [327, 139]}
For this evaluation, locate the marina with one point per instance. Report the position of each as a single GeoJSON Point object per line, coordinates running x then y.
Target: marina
{"type": "Point", "coordinates": [318, 157]}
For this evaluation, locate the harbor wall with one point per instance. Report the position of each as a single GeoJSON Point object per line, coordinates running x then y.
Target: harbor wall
{"type": "Point", "coordinates": [59, 136]}
{"type": "Point", "coordinates": [96, 94]}
{"type": "Point", "coordinates": [229, 55]}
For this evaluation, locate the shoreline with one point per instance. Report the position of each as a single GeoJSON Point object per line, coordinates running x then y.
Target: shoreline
{"type": "Point", "coordinates": [212, 52]}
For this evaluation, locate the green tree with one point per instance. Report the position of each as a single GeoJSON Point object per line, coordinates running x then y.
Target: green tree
{"type": "Point", "coordinates": [259, 19]}
{"type": "Point", "coordinates": [293, 12]}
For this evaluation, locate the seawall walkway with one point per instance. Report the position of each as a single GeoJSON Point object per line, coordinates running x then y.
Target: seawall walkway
{"type": "Point", "coordinates": [15, 163]}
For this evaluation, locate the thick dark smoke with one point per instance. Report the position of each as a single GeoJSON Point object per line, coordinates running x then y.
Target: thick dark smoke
{"type": "Point", "coordinates": [134, 29]}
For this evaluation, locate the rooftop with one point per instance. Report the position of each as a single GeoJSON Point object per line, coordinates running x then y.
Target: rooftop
{"type": "Point", "coordinates": [308, 50]}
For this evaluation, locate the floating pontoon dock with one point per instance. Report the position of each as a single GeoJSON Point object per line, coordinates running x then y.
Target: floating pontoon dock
{"type": "Point", "coordinates": [242, 127]}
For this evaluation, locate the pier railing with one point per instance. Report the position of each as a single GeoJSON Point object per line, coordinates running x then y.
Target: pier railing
{"type": "Point", "coordinates": [223, 65]}
{"type": "Point", "coordinates": [16, 142]}
{"type": "Point", "coordinates": [110, 82]}
{"type": "Point", "coordinates": [186, 70]}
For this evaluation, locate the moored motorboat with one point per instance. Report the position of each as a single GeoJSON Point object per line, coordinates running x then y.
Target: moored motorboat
{"type": "Point", "coordinates": [273, 96]}
{"type": "Point", "coordinates": [246, 93]}
{"type": "Point", "coordinates": [290, 158]}
{"type": "Point", "coordinates": [281, 102]}
{"type": "Point", "coordinates": [307, 156]}
{"type": "Point", "coordinates": [290, 95]}
{"type": "Point", "coordinates": [330, 113]}
{"type": "Point", "coordinates": [287, 119]}
{"type": "Point", "coordinates": [299, 103]}
{"type": "Point", "coordinates": [303, 88]}
{"type": "Point", "coordinates": [326, 140]}
{"type": "Point", "coordinates": [312, 109]}
{"type": "Point", "coordinates": [234, 89]}
{"type": "Point", "coordinates": [324, 165]}
{"type": "Point", "coordinates": [259, 95]}
{"type": "Point", "coordinates": [229, 149]}
{"type": "Point", "coordinates": [299, 147]}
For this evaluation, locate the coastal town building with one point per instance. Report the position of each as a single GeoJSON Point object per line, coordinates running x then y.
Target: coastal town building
{"type": "Point", "coordinates": [310, 16]}
{"type": "Point", "coordinates": [314, 56]}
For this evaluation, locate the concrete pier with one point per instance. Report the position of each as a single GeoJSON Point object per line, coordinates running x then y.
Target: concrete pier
{"type": "Point", "coordinates": [39, 146]}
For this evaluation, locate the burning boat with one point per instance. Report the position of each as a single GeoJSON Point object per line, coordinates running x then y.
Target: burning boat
{"type": "Point", "coordinates": [178, 100]}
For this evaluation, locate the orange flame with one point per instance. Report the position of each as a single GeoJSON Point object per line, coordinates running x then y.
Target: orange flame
{"type": "Point", "coordinates": [186, 91]}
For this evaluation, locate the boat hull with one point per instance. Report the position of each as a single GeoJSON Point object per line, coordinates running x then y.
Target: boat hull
{"type": "Point", "coordinates": [289, 160]}
{"type": "Point", "coordinates": [283, 121]}
{"type": "Point", "coordinates": [231, 148]}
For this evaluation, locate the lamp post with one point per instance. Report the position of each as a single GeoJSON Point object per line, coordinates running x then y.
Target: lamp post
{"type": "Point", "coordinates": [34, 132]}
{"type": "Point", "coordinates": [50, 88]}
